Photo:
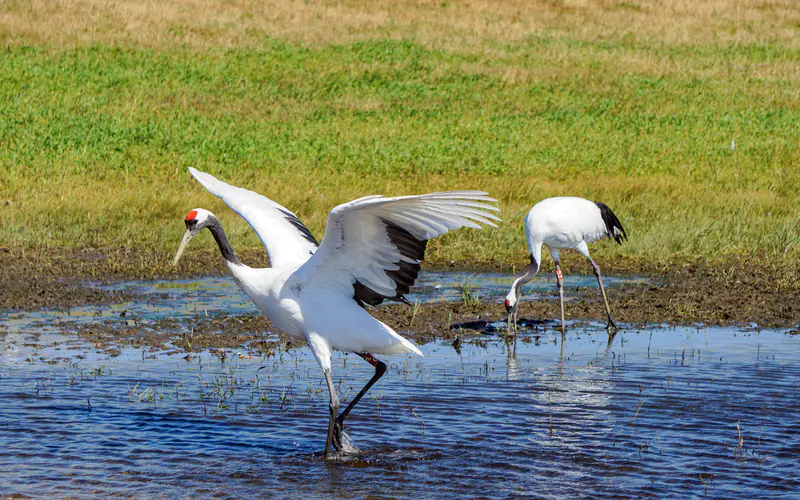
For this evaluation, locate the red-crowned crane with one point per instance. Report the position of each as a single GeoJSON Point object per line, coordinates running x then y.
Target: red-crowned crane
{"type": "Point", "coordinates": [317, 291]}
{"type": "Point", "coordinates": [562, 223]}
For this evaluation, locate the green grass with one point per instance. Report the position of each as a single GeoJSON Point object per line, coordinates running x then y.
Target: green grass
{"type": "Point", "coordinates": [95, 137]}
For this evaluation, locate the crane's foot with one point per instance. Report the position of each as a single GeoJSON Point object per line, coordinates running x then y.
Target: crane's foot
{"type": "Point", "coordinates": [333, 446]}
{"type": "Point", "coordinates": [337, 436]}
{"type": "Point", "coordinates": [342, 446]}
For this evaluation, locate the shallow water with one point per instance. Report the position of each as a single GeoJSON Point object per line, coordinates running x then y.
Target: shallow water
{"type": "Point", "coordinates": [655, 414]}
{"type": "Point", "coordinates": [668, 412]}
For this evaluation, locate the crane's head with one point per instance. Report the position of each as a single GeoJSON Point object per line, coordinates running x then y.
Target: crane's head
{"type": "Point", "coordinates": [195, 221]}
{"type": "Point", "coordinates": [511, 303]}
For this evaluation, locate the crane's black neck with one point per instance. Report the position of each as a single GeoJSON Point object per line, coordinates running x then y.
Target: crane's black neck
{"type": "Point", "coordinates": [225, 247]}
{"type": "Point", "coordinates": [529, 274]}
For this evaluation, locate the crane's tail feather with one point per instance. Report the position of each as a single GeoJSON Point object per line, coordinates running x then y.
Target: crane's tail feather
{"type": "Point", "coordinates": [408, 346]}
{"type": "Point", "coordinates": [399, 344]}
{"type": "Point", "coordinates": [614, 227]}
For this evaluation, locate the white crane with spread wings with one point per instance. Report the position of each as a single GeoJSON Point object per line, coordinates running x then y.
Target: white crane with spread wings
{"type": "Point", "coordinates": [316, 292]}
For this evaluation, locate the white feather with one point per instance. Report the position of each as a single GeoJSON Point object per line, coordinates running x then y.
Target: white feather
{"type": "Point", "coordinates": [285, 244]}
{"type": "Point", "coordinates": [351, 251]}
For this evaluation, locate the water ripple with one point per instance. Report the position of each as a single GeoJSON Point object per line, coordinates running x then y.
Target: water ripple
{"type": "Point", "coordinates": [681, 412]}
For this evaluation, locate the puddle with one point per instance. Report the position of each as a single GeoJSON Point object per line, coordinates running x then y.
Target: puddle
{"type": "Point", "coordinates": [665, 412]}
{"type": "Point", "coordinates": [181, 299]}
{"type": "Point", "coordinates": [430, 287]}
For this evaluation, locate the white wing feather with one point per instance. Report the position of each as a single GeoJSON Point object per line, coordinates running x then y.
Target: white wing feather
{"type": "Point", "coordinates": [358, 245]}
{"type": "Point", "coordinates": [288, 243]}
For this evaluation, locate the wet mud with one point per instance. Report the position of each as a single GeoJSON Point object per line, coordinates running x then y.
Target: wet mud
{"type": "Point", "coordinates": [734, 294]}
{"type": "Point", "coordinates": [32, 279]}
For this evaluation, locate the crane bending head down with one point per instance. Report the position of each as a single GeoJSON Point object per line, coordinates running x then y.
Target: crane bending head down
{"type": "Point", "coordinates": [563, 223]}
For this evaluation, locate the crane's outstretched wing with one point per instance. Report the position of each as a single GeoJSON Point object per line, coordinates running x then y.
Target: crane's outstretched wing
{"type": "Point", "coordinates": [375, 244]}
{"type": "Point", "coordinates": [287, 240]}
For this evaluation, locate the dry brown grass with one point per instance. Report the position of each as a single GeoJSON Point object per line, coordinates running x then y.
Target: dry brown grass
{"type": "Point", "coordinates": [485, 27]}
{"type": "Point", "coordinates": [437, 24]}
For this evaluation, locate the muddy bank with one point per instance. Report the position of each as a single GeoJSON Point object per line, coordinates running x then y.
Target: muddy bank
{"type": "Point", "coordinates": [698, 293]}
{"type": "Point", "coordinates": [677, 302]}
{"type": "Point", "coordinates": [31, 279]}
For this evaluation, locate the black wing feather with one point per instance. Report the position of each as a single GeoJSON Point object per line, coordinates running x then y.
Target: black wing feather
{"type": "Point", "coordinates": [404, 278]}
{"type": "Point", "coordinates": [304, 232]}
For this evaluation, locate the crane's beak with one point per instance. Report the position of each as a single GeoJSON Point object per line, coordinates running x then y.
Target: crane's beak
{"type": "Point", "coordinates": [187, 237]}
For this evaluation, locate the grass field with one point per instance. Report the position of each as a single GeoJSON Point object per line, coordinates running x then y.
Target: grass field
{"type": "Point", "coordinates": [104, 104]}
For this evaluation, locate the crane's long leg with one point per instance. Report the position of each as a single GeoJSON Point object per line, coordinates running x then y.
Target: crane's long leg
{"type": "Point", "coordinates": [516, 319]}
{"type": "Point", "coordinates": [611, 325]}
{"type": "Point", "coordinates": [334, 408]}
{"type": "Point", "coordinates": [380, 369]}
{"type": "Point", "coordinates": [511, 324]}
{"type": "Point", "coordinates": [560, 283]}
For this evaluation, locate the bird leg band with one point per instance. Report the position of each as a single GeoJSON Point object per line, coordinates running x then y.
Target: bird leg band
{"type": "Point", "coordinates": [559, 275]}
{"type": "Point", "coordinates": [369, 358]}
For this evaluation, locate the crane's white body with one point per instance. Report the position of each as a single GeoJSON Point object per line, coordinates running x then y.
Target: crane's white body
{"type": "Point", "coordinates": [316, 291]}
{"type": "Point", "coordinates": [326, 319]}
{"type": "Point", "coordinates": [562, 223]}
{"type": "Point", "coordinates": [308, 291]}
